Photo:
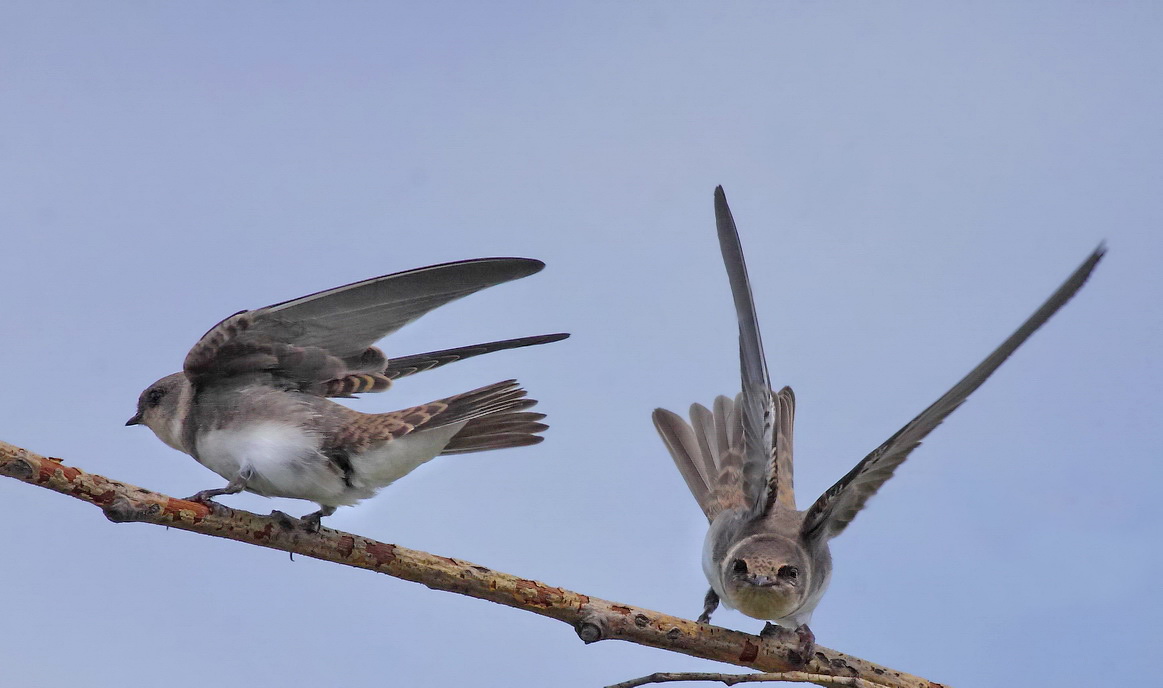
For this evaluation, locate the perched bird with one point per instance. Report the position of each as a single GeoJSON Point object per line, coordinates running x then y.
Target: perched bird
{"type": "Point", "coordinates": [251, 403]}
{"type": "Point", "coordinates": [761, 555]}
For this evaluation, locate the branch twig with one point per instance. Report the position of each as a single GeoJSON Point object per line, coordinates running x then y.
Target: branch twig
{"type": "Point", "coordinates": [593, 619]}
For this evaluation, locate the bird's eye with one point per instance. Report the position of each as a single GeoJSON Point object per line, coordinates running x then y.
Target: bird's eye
{"type": "Point", "coordinates": [155, 396]}
{"type": "Point", "coordinates": [788, 572]}
{"type": "Point", "coordinates": [739, 566]}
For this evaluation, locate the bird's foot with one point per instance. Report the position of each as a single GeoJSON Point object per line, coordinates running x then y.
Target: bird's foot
{"type": "Point", "coordinates": [233, 487]}
{"type": "Point", "coordinates": [807, 643]}
{"type": "Point", "coordinates": [206, 497]}
{"type": "Point", "coordinates": [802, 638]}
{"type": "Point", "coordinates": [285, 520]}
{"type": "Point", "coordinates": [710, 604]}
{"type": "Point", "coordinates": [312, 521]}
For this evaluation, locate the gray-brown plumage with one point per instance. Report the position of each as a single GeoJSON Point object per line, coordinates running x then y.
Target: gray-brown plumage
{"type": "Point", "coordinates": [352, 384]}
{"type": "Point", "coordinates": [761, 555]}
{"type": "Point", "coordinates": [252, 401]}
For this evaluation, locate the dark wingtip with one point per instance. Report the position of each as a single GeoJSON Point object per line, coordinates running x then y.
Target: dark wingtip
{"type": "Point", "coordinates": [723, 217]}
{"type": "Point", "coordinates": [512, 267]}
{"type": "Point", "coordinates": [534, 265]}
{"type": "Point", "coordinates": [1084, 271]}
{"type": "Point", "coordinates": [529, 266]}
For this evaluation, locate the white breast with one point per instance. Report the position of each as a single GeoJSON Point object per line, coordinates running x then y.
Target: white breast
{"type": "Point", "coordinates": [284, 461]}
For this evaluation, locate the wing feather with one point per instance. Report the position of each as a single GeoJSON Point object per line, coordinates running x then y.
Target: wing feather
{"type": "Point", "coordinates": [418, 363]}
{"type": "Point", "coordinates": [836, 508]}
{"type": "Point", "coordinates": [313, 340]}
{"type": "Point", "coordinates": [348, 319]}
{"type": "Point", "coordinates": [756, 403]}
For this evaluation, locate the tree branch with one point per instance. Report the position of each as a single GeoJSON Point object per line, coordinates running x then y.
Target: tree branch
{"type": "Point", "coordinates": [593, 619]}
{"type": "Point", "coordinates": [732, 679]}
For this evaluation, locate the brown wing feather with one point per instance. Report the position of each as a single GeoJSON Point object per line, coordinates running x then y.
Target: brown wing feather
{"type": "Point", "coordinates": [228, 340]}
{"type": "Point", "coordinates": [358, 383]}
{"type": "Point", "coordinates": [313, 340]}
{"type": "Point", "coordinates": [237, 347]}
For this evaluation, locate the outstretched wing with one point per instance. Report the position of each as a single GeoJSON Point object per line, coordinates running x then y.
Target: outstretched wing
{"type": "Point", "coordinates": [328, 335]}
{"type": "Point", "coordinates": [757, 404]}
{"type": "Point", "coordinates": [836, 508]}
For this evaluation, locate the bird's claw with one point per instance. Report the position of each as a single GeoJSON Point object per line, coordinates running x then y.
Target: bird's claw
{"type": "Point", "coordinates": [802, 637]}
{"type": "Point", "coordinates": [205, 497]}
{"type": "Point", "coordinates": [285, 520]}
{"type": "Point", "coordinates": [710, 604]}
{"type": "Point", "coordinates": [233, 487]}
{"type": "Point", "coordinates": [309, 523]}
{"type": "Point", "coordinates": [312, 522]}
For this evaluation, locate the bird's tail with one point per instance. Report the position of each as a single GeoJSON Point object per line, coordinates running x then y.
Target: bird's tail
{"type": "Point", "coordinates": [497, 418]}
{"type": "Point", "coordinates": [498, 431]}
{"type": "Point", "coordinates": [391, 445]}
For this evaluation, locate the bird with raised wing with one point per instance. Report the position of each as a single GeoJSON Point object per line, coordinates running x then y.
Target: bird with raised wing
{"type": "Point", "coordinates": [761, 555]}
{"type": "Point", "coordinates": [253, 400]}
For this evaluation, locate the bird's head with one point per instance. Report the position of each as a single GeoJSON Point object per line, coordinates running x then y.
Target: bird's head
{"type": "Point", "coordinates": [766, 577]}
{"type": "Point", "coordinates": [159, 408]}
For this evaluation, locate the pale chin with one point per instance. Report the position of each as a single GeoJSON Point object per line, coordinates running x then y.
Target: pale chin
{"type": "Point", "coordinates": [767, 603]}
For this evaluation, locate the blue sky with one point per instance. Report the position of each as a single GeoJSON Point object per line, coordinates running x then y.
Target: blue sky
{"type": "Point", "coordinates": [910, 181]}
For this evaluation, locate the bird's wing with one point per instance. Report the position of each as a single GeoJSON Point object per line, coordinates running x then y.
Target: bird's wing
{"type": "Point", "coordinates": [757, 405]}
{"type": "Point", "coordinates": [327, 335]}
{"type": "Point", "coordinates": [379, 372]}
{"type": "Point", "coordinates": [418, 363]}
{"type": "Point", "coordinates": [836, 508]}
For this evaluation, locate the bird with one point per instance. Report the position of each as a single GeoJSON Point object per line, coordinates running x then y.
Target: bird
{"type": "Point", "coordinates": [253, 402]}
{"type": "Point", "coordinates": [761, 555]}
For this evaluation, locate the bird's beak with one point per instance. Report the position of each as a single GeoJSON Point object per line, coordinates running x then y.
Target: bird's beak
{"type": "Point", "coordinates": [136, 420]}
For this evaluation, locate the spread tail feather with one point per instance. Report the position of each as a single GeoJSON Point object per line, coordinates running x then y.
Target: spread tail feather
{"type": "Point", "coordinates": [708, 453]}
{"type": "Point", "coordinates": [384, 447]}
{"type": "Point", "coordinates": [499, 431]}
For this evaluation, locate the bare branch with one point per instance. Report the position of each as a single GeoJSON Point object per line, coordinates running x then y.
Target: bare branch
{"type": "Point", "coordinates": [593, 619]}
{"type": "Point", "coordinates": [732, 679]}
